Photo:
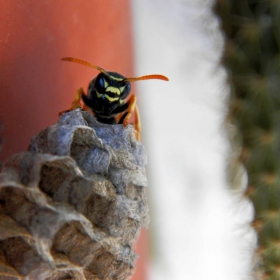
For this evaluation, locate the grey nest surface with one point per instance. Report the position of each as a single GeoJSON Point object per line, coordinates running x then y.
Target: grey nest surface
{"type": "Point", "coordinates": [73, 204]}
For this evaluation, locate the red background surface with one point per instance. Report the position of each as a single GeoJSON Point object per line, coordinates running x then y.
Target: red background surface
{"type": "Point", "coordinates": [35, 85]}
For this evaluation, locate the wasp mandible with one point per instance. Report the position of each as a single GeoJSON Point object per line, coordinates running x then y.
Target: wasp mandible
{"type": "Point", "coordinates": [107, 96]}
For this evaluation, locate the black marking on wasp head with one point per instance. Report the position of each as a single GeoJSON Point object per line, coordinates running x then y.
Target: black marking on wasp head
{"type": "Point", "coordinates": [108, 91]}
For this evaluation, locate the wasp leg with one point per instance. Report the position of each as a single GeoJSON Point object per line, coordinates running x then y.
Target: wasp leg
{"type": "Point", "coordinates": [137, 124]}
{"type": "Point", "coordinates": [77, 101]}
{"type": "Point", "coordinates": [120, 118]}
{"type": "Point", "coordinates": [131, 108]}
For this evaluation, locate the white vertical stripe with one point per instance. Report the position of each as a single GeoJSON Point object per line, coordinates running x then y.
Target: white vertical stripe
{"type": "Point", "coordinates": [197, 231]}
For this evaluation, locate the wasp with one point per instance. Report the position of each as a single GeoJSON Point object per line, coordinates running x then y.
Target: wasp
{"type": "Point", "coordinates": [107, 96]}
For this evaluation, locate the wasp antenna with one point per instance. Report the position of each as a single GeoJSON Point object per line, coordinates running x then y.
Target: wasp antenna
{"type": "Point", "coordinates": [148, 77]}
{"type": "Point", "coordinates": [80, 61]}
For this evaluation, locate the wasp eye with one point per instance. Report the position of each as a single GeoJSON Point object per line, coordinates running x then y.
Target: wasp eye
{"type": "Point", "coordinates": [101, 82]}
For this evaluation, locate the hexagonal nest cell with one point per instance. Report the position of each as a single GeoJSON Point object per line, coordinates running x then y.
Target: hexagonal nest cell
{"type": "Point", "coordinates": [73, 204]}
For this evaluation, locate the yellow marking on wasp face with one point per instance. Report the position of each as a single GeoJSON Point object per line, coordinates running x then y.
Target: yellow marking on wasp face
{"type": "Point", "coordinates": [99, 95]}
{"type": "Point", "coordinates": [122, 101]}
{"type": "Point", "coordinates": [113, 90]}
{"type": "Point", "coordinates": [103, 96]}
{"type": "Point", "coordinates": [116, 79]}
{"type": "Point", "coordinates": [122, 89]}
{"type": "Point", "coordinates": [105, 83]}
{"type": "Point", "coordinates": [111, 99]}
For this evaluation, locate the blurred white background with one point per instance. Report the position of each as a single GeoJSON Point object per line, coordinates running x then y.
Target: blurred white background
{"type": "Point", "coordinates": [198, 226]}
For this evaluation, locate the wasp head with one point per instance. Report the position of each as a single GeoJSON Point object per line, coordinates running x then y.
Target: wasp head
{"type": "Point", "coordinates": [111, 87]}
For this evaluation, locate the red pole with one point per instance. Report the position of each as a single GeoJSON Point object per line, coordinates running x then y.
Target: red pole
{"type": "Point", "coordinates": [35, 85]}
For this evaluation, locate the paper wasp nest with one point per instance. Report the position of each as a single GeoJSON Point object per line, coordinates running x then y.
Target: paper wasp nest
{"type": "Point", "coordinates": [73, 204]}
